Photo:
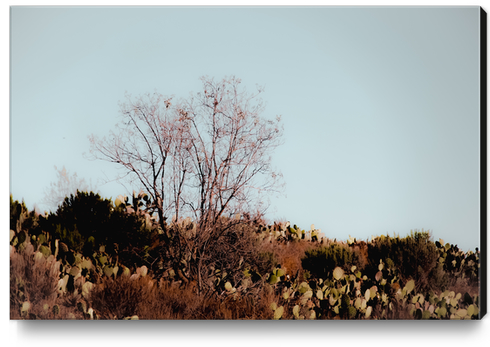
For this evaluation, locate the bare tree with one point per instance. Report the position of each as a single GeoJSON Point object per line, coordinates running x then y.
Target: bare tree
{"type": "Point", "coordinates": [230, 150]}
{"type": "Point", "coordinates": [65, 185]}
{"type": "Point", "coordinates": [144, 145]}
{"type": "Point", "coordinates": [229, 157]}
{"type": "Point", "coordinates": [207, 157]}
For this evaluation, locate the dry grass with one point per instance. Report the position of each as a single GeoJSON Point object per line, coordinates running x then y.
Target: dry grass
{"type": "Point", "coordinates": [148, 299]}
{"type": "Point", "coordinates": [34, 280]}
{"type": "Point", "coordinates": [461, 285]}
{"type": "Point", "coordinates": [289, 255]}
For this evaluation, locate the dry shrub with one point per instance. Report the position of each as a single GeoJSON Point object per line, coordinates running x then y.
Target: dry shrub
{"type": "Point", "coordinates": [360, 248]}
{"type": "Point", "coordinates": [171, 301]}
{"type": "Point", "coordinates": [233, 245]}
{"type": "Point", "coordinates": [119, 298]}
{"type": "Point", "coordinates": [144, 297]}
{"type": "Point", "coordinates": [463, 285]}
{"type": "Point", "coordinates": [240, 307]}
{"type": "Point", "coordinates": [289, 254]}
{"type": "Point", "coordinates": [33, 279]}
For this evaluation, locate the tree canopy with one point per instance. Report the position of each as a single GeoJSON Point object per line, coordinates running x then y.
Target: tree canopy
{"type": "Point", "coordinates": [205, 156]}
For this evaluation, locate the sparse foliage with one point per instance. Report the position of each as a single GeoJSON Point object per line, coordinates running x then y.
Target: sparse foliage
{"type": "Point", "coordinates": [65, 185]}
{"type": "Point", "coordinates": [50, 280]}
{"type": "Point", "coordinates": [207, 157]}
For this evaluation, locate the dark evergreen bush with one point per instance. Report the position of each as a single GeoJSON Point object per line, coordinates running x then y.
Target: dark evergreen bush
{"type": "Point", "coordinates": [321, 261]}
{"type": "Point", "coordinates": [414, 256]}
{"type": "Point", "coordinates": [23, 219]}
{"type": "Point", "coordinates": [85, 221]}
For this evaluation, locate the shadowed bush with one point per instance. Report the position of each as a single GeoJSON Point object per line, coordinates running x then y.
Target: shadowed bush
{"type": "Point", "coordinates": [414, 257]}
{"type": "Point", "coordinates": [85, 221]}
{"type": "Point", "coordinates": [321, 261]}
{"type": "Point", "coordinates": [247, 272]}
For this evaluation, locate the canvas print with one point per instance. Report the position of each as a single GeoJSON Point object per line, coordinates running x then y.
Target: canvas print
{"type": "Point", "coordinates": [259, 163]}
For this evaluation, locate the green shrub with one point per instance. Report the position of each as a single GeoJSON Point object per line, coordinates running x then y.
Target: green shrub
{"type": "Point", "coordinates": [79, 217]}
{"type": "Point", "coordinates": [321, 261]}
{"type": "Point", "coordinates": [414, 257]}
{"type": "Point", "coordinates": [85, 221]}
{"type": "Point", "coordinates": [22, 220]}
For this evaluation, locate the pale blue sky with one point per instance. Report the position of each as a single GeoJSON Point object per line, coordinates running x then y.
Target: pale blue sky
{"type": "Point", "coordinates": [380, 105]}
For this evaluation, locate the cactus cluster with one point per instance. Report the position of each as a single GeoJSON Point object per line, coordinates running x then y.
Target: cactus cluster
{"type": "Point", "coordinates": [334, 292]}
{"type": "Point", "coordinates": [351, 295]}
{"type": "Point", "coordinates": [337, 282]}
{"type": "Point", "coordinates": [458, 263]}
{"type": "Point", "coordinates": [284, 231]}
{"type": "Point", "coordinates": [77, 274]}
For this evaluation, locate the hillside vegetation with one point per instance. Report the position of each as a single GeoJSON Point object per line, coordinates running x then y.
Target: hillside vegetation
{"type": "Point", "coordinates": [98, 259]}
